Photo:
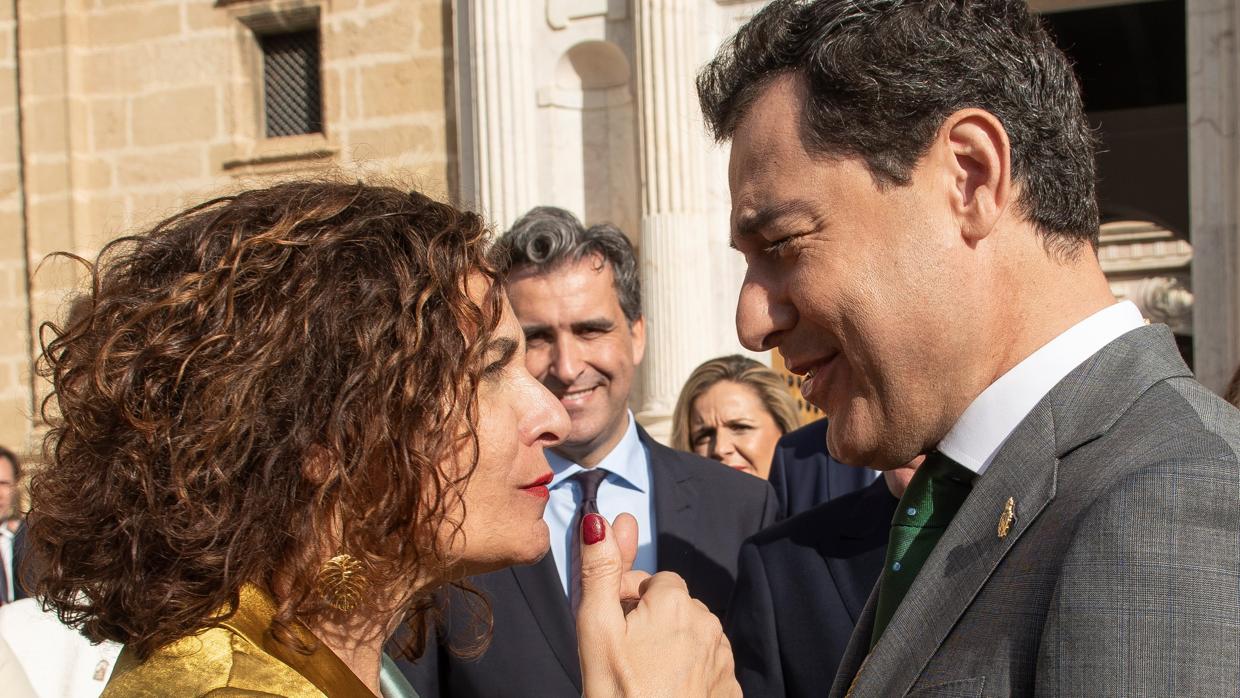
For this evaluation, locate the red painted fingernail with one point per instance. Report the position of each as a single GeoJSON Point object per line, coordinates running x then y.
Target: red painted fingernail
{"type": "Point", "coordinates": [593, 528]}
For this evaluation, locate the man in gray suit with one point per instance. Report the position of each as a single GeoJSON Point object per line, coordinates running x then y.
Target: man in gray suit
{"type": "Point", "coordinates": [913, 192]}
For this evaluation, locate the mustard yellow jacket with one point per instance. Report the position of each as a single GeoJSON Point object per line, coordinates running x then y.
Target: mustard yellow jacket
{"type": "Point", "coordinates": [238, 658]}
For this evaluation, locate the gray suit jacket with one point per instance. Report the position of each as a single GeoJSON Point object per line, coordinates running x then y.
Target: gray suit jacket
{"type": "Point", "coordinates": [1121, 573]}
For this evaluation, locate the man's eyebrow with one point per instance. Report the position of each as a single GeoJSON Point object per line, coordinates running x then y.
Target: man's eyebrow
{"type": "Point", "coordinates": [528, 330]}
{"type": "Point", "coordinates": [595, 324]}
{"type": "Point", "coordinates": [751, 225]}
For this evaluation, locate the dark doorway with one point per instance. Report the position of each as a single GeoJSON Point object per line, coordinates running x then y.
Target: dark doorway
{"type": "Point", "coordinates": [1131, 62]}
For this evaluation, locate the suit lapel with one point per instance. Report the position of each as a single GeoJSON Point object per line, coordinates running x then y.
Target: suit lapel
{"type": "Point", "coordinates": [674, 495]}
{"type": "Point", "coordinates": [846, 572]}
{"type": "Point", "coordinates": [970, 550]}
{"type": "Point", "coordinates": [868, 523]}
{"type": "Point", "coordinates": [857, 652]}
{"type": "Point", "coordinates": [1080, 408]}
{"type": "Point", "coordinates": [540, 584]}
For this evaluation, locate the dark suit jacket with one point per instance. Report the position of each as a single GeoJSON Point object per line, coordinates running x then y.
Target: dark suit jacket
{"type": "Point", "coordinates": [703, 510]}
{"type": "Point", "coordinates": [800, 588]}
{"type": "Point", "coordinates": [804, 475]}
{"type": "Point", "coordinates": [1121, 572]}
{"type": "Point", "coordinates": [20, 574]}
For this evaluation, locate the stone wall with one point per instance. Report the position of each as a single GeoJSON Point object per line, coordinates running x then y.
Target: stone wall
{"type": "Point", "coordinates": [133, 109]}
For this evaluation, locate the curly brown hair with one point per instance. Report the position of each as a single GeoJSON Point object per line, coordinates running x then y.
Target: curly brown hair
{"type": "Point", "coordinates": [244, 373]}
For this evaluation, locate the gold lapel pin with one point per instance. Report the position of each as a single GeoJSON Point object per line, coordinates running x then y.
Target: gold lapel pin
{"type": "Point", "coordinates": [1007, 518]}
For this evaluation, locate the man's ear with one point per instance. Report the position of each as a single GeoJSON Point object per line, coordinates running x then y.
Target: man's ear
{"type": "Point", "coordinates": [978, 158]}
{"type": "Point", "coordinates": [638, 329]}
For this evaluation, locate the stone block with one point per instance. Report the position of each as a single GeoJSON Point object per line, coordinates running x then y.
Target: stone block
{"type": "Point", "coordinates": [11, 247]}
{"type": "Point", "coordinates": [186, 115]}
{"type": "Point", "coordinates": [6, 44]}
{"type": "Point", "coordinates": [109, 123]}
{"type": "Point", "coordinates": [100, 217]}
{"type": "Point", "coordinates": [79, 123]}
{"type": "Point", "coordinates": [8, 87]}
{"type": "Point", "coordinates": [13, 341]}
{"type": "Point", "coordinates": [131, 25]}
{"type": "Point", "coordinates": [335, 96]}
{"type": "Point", "coordinates": [204, 17]}
{"type": "Point", "coordinates": [393, 141]}
{"type": "Point", "coordinates": [42, 33]}
{"type": "Point", "coordinates": [44, 122]}
{"type": "Point", "coordinates": [9, 181]}
{"type": "Point", "coordinates": [394, 32]}
{"type": "Point", "coordinates": [92, 173]}
{"type": "Point", "coordinates": [109, 4]}
{"type": "Point", "coordinates": [430, 27]}
{"type": "Point", "coordinates": [405, 87]}
{"type": "Point", "coordinates": [53, 276]}
{"type": "Point", "coordinates": [8, 136]}
{"type": "Point", "coordinates": [339, 94]}
{"type": "Point", "coordinates": [15, 422]}
{"type": "Point", "coordinates": [149, 209]}
{"type": "Point", "coordinates": [161, 166]}
{"type": "Point", "coordinates": [43, 73]}
{"type": "Point", "coordinates": [47, 178]}
{"type": "Point", "coordinates": [36, 9]}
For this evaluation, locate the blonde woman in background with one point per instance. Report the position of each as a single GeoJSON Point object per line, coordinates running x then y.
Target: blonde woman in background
{"type": "Point", "coordinates": [734, 409]}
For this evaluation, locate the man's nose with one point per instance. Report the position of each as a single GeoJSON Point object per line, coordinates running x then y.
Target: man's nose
{"type": "Point", "coordinates": [566, 360]}
{"type": "Point", "coordinates": [761, 313]}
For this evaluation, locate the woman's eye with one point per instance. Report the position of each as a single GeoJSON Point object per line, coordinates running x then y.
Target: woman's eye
{"type": "Point", "coordinates": [494, 369]}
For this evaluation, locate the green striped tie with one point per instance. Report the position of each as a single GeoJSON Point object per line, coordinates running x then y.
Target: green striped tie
{"type": "Point", "coordinates": [935, 493]}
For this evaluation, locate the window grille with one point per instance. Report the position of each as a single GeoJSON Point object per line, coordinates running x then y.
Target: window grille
{"type": "Point", "coordinates": [292, 94]}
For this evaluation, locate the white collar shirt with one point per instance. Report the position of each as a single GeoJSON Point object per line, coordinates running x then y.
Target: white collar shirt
{"type": "Point", "coordinates": [6, 559]}
{"type": "Point", "coordinates": [627, 488]}
{"type": "Point", "coordinates": [991, 418]}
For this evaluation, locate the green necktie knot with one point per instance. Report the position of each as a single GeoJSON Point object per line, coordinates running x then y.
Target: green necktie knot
{"type": "Point", "coordinates": [934, 495]}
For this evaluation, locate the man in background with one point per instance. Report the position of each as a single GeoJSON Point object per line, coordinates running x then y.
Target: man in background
{"type": "Point", "coordinates": [576, 293]}
{"type": "Point", "coordinates": [805, 475]}
{"type": "Point", "coordinates": [10, 525]}
{"type": "Point", "coordinates": [802, 583]}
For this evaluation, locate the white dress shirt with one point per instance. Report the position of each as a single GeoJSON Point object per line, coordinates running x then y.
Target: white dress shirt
{"type": "Point", "coordinates": [992, 417]}
{"type": "Point", "coordinates": [627, 488]}
{"type": "Point", "coordinates": [6, 559]}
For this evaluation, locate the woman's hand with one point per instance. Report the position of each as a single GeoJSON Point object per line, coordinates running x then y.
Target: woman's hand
{"type": "Point", "coordinates": [640, 635]}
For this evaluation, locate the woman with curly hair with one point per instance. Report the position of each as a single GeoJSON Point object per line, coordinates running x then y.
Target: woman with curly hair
{"type": "Point", "coordinates": [284, 419]}
{"type": "Point", "coordinates": [734, 409]}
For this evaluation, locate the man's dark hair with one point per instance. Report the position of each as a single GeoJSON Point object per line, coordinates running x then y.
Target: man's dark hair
{"type": "Point", "coordinates": [882, 75]}
{"type": "Point", "coordinates": [12, 458]}
{"type": "Point", "coordinates": [547, 237]}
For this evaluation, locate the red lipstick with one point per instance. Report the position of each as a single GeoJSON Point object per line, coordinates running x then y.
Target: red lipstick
{"type": "Point", "coordinates": [538, 488]}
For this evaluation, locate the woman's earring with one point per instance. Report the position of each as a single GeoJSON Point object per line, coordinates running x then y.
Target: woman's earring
{"type": "Point", "coordinates": [341, 582]}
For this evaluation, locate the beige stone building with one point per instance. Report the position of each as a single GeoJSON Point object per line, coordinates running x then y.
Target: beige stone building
{"type": "Point", "coordinates": [115, 112]}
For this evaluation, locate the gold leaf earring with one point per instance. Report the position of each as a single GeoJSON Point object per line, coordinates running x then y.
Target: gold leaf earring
{"type": "Point", "coordinates": [341, 582]}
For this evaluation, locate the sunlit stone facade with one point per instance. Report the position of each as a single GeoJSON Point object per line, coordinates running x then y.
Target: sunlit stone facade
{"type": "Point", "coordinates": [116, 112]}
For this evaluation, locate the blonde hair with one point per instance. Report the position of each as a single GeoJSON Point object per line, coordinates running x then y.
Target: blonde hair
{"type": "Point", "coordinates": [768, 384]}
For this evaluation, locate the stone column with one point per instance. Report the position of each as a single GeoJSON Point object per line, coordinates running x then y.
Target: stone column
{"type": "Point", "coordinates": [1214, 177]}
{"type": "Point", "coordinates": [503, 101]}
{"type": "Point", "coordinates": [676, 276]}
